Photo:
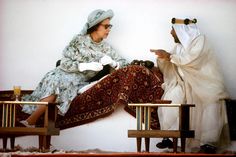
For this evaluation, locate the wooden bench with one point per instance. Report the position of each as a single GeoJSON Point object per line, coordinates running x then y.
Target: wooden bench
{"type": "Point", "coordinates": [8, 129]}
{"type": "Point", "coordinates": [143, 113]}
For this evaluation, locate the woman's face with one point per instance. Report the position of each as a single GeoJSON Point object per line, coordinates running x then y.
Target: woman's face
{"type": "Point", "coordinates": [104, 28]}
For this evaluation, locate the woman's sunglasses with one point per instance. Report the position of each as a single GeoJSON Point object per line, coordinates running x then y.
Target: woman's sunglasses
{"type": "Point", "coordinates": [106, 26]}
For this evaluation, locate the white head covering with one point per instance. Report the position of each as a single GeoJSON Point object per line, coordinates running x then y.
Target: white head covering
{"type": "Point", "coordinates": [186, 33]}
{"type": "Point", "coordinates": [95, 17]}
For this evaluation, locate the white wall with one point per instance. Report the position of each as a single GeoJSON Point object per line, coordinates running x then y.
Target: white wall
{"type": "Point", "coordinates": [33, 34]}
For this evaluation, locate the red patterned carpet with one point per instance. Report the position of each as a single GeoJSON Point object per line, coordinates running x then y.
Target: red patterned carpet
{"type": "Point", "coordinates": [33, 152]}
{"type": "Point", "coordinates": [114, 154]}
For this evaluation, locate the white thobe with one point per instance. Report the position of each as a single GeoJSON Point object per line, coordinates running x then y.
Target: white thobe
{"type": "Point", "coordinates": [192, 76]}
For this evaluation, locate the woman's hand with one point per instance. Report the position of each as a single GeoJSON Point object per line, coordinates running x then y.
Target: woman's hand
{"type": "Point", "coordinates": [108, 60]}
{"type": "Point", "coordinates": [94, 66]}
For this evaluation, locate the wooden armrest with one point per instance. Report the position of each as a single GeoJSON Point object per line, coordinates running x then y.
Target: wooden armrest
{"type": "Point", "coordinates": [160, 105]}
{"type": "Point", "coordinates": [25, 102]}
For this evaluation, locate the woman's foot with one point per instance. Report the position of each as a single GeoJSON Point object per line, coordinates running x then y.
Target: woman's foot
{"type": "Point", "coordinates": [26, 124]}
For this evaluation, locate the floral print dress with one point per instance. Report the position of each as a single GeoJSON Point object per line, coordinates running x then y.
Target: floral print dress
{"type": "Point", "coordinates": [66, 79]}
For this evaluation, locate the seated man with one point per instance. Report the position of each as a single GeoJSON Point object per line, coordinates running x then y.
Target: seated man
{"type": "Point", "coordinates": [192, 76]}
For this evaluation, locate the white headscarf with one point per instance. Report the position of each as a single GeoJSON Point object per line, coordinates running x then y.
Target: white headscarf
{"type": "Point", "coordinates": [186, 33]}
{"type": "Point", "coordinates": [95, 17]}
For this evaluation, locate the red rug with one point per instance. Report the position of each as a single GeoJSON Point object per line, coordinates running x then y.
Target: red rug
{"type": "Point", "coordinates": [116, 154]}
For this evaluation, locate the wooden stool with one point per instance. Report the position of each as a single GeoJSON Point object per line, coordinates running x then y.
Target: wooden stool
{"type": "Point", "coordinates": [143, 111]}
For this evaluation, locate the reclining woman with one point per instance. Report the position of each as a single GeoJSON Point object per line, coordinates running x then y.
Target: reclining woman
{"type": "Point", "coordinates": [82, 59]}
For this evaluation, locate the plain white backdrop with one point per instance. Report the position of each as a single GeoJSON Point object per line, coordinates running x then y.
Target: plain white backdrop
{"type": "Point", "coordinates": [33, 34]}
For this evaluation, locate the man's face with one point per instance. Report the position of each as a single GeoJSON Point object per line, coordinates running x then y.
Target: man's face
{"type": "Point", "coordinates": [174, 35]}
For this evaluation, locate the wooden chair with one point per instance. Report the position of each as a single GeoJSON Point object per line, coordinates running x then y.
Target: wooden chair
{"type": "Point", "coordinates": [143, 114]}
{"type": "Point", "coordinates": [9, 129]}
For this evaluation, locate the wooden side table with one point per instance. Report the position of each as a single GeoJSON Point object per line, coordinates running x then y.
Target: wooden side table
{"type": "Point", "coordinates": [143, 113]}
{"type": "Point", "coordinates": [10, 130]}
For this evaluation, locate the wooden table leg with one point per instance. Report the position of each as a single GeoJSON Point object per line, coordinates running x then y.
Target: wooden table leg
{"type": "Point", "coordinates": [139, 142]}
{"type": "Point", "coordinates": [139, 117]}
{"type": "Point", "coordinates": [12, 138]}
{"type": "Point", "coordinates": [183, 144]}
{"type": "Point", "coordinates": [184, 113]}
{"type": "Point", "coordinates": [48, 142]}
{"type": "Point", "coordinates": [175, 143]}
{"type": "Point", "coordinates": [4, 142]}
{"type": "Point", "coordinates": [147, 117]}
{"type": "Point", "coordinates": [147, 144]}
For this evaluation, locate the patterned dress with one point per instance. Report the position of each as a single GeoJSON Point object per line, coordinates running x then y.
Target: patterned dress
{"type": "Point", "coordinates": [66, 79]}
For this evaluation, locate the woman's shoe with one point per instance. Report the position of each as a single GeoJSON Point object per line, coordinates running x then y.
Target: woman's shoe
{"type": "Point", "coordinates": [165, 143]}
{"type": "Point", "coordinates": [26, 124]}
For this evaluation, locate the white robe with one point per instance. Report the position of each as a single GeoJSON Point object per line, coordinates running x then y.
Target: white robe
{"type": "Point", "coordinates": [193, 77]}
